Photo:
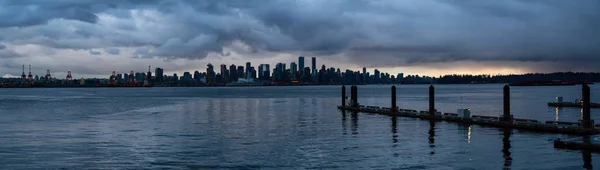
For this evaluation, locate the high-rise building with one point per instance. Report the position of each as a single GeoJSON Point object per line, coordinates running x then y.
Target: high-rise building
{"type": "Point", "coordinates": [267, 67]}
{"type": "Point", "coordinates": [149, 76]}
{"type": "Point", "coordinates": [314, 65]}
{"type": "Point", "coordinates": [187, 77]}
{"type": "Point", "coordinates": [252, 74]}
{"type": "Point", "coordinates": [266, 72]}
{"type": "Point", "coordinates": [306, 74]}
{"type": "Point", "coordinates": [293, 70]}
{"type": "Point", "coordinates": [280, 72]}
{"type": "Point", "coordinates": [224, 73]}
{"type": "Point", "coordinates": [210, 74]}
{"type": "Point", "coordinates": [248, 65]}
{"type": "Point", "coordinates": [159, 74]}
{"type": "Point", "coordinates": [376, 76]}
{"type": "Point", "coordinates": [140, 77]}
{"type": "Point", "coordinates": [240, 72]}
{"type": "Point", "coordinates": [197, 76]}
{"type": "Point", "coordinates": [283, 67]}
{"type": "Point", "coordinates": [232, 73]}
{"type": "Point", "coordinates": [260, 72]}
{"type": "Point", "coordinates": [301, 64]}
{"type": "Point", "coordinates": [119, 78]}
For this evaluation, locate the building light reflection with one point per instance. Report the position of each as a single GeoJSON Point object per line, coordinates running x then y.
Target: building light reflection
{"type": "Point", "coordinates": [469, 135]}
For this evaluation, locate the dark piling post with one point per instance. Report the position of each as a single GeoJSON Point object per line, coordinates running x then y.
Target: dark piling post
{"type": "Point", "coordinates": [394, 99]}
{"type": "Point", "coordinates": [343, 95]}
{"type": "Point", "coordinates": [431, 100]}
{"type": "Point", "coordinates": [355, 96]}
{"type": "Point", "coordinates": [585, 114]}
{"type": "Point", "coordinates": [506, 112]}
{"type": "Point", "coordinates": [352, 95]}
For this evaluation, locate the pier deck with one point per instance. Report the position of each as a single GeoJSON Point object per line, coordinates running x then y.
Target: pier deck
{"type": "Point", "coordinates": [572, 104]}
{"type": "Point", "coordinates": [585, 126]}
{"type": "Point", "coordinates": [519, 124]}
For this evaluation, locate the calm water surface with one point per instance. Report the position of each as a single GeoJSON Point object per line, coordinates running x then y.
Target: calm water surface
{"type": "Point", "coordinates": [276, 128]}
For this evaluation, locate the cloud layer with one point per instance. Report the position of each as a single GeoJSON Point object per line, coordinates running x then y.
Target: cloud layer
{"type": "Point", "coordinates": [384, 33]}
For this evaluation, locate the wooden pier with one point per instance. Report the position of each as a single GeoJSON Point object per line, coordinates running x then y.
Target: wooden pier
{"type": "Point", "coordinates": [572, 104]}
{"type": "Point", "coordinates": [506, 120]}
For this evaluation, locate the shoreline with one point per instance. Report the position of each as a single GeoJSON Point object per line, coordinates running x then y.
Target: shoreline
{"type": "Point", "coordinates": [164, 86]}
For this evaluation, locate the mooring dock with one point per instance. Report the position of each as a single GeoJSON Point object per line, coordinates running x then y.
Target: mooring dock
{"type": "Point", "coordinates": [571, 104]}
{"type": "Point", "coordinates": [584, 127]}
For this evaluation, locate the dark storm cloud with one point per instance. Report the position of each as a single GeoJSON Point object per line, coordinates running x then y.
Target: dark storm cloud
{"type": "Point", "coordinates": [7, 53]}
{"type": "Point", "coordinates": [372, 33]}
{"type": "Point", "coordinates": [19, 13]}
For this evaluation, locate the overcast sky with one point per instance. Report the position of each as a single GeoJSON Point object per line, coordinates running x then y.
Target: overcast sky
{"type": "Point", "coordinates": [95, 37]}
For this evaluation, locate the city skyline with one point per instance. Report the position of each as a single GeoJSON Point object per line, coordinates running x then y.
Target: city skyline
{"type": "Point", "coordinates": [202, 68]}
{"type": "Point", "coordinates": [467, 37]}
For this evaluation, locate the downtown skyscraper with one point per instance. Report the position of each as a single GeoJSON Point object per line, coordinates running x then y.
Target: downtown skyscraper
{"type": "Point", "coordinates": [240, 72]}
{"type": "Point", "coordinates": [248, 65]}
{"type": "Point", "coordinates": [233, 73]}
{"type": "Point", "coordinates": [224, 73]}
{"type": "Point", "coordinates": [314, 65]}
{"type": "Point", "coordinates": [210, 74]}
{"type": "Point", "coordinates": [266, 72]}
{"type": "Point", "coordinates": [293, 70]}
{"type": "Point", "coordinates": [158, 74]}
{"type": "Point", "coordinates": [301, 64]}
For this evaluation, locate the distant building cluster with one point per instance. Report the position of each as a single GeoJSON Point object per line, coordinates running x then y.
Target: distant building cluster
{"type": "Point", "coordinates": [296, 73]}
{"type": "Point", "coordinates": [264, 74]}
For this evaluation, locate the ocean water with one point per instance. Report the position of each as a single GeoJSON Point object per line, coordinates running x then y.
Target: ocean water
{"type": "Point", "coordinates": [277, 128]}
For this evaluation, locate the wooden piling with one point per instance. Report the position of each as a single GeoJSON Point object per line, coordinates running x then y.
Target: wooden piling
{"type": "Point", "coordinates": [431, 100]}
{"type": "Point", "coordinates": [355, 96]}
{"type": "Point", "coordinates": [585, 114]}
{"type": "Point", "coordinates": [343, 95]}
{"type": "Point", "coordinates": [352, 96]}
{"type": "Point", "coordinates": [394, 109]}
{"type": "Point", "coordinates": [506, 112]}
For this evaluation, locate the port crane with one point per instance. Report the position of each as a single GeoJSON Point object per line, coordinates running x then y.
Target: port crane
{"type": "Point", "coordinates": [23, 76]}
{"type": "Point", "coordinates": [30, 76]}
{"type": "Point", "coordinates": [69, 76]}
{"type": "Point", "coordinates": [48, 76]}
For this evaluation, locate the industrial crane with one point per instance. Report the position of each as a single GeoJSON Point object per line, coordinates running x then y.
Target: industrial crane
{"type": "Point", "coordinates": [48, 76]}
{"type": "Point", "coordinates": [69, 76]}
{"type": "Point", "coordinates": [23, 76]}
{"type": "Point", "coordinates": [30, 76]}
